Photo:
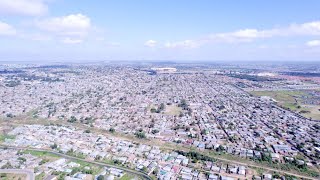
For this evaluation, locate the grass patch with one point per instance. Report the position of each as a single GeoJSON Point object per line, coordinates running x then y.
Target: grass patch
{"type": "Point", "coordinates": [95, 169]}
{"type": "Point", "coordinates": [127, 177]}
{"type": "Point", "coordinates": [3, 137]}
{"type": "Point", "coordinates": [173, 110]}
{"type": "Point", "coordinates": [40, 176]}
{"type": "Point", "coordinates": [12, 176]}
{"type": "Point", "coordinates": [39, 153]}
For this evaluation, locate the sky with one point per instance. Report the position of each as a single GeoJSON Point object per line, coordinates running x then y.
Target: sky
{"type": "Point", "coordinates": [159, 30]}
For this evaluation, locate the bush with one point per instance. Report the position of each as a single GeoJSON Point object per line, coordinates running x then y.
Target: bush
{"type": "Point", "coordinates": [112, 130]}
{"type": "Point", "coordinates": [140, 135]}
{"type": "Point", "coordinates": [154, 131]}
{"type": "Point", "coordinates": [87, 131]}
{"type": "Point", "coordinates": [72, 119]}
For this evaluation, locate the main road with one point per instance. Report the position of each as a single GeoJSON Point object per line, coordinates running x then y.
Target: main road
{"type": "Point", "coordinates": [145, 176]}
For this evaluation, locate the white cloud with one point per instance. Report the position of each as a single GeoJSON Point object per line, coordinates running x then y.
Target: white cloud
{"type": "Point", "coordinates": [72, 41]}
{"type": "Point", "coordinates": [249, 35]}
{"type": "Point", "coordinates": [23, 7]}
{"type": "Point", "coordinates": [150, 43]}
{"type": "Point", "coordinates": [71, 28]}
{"type": "Point", "coordinates": [6, 29]}
{"type": "Point", "coordinates": [313, 43]}
{"type": "Point", "coordinates": [305, 29]}
{"type": "Point", "coordinates": [181, 44]}
{"type": "Point", "coordinates": [310, 28]}
{"type": "Point", "coordinates": [74, 24]}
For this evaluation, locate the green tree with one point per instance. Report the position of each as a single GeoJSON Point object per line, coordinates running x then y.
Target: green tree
{"type": "Point", "coordinates": [100, 177]}
{"type": "Point", "coordinates": [72, 119]}
{"type": "Point", "coordinates": [144, 169]}
{"type": "Point", "coordinates": [140, 135]}
{"type": "Point", "coordinates": [54, 146]}
{"type": "Point", "coordinates": [153, 110]}
{"type": "Point", "coordinates": [112, 130]}
{"type": "Point", "coordinates": [87, 131]}
{"type": "Point", "coordinates": [154, 131]}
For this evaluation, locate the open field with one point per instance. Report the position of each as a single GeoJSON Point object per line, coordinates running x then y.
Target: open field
{"type": "Point", "coordinates": [9, 176]}
{"type": "Point", "coordinates": [41, 154]}
{"type": "Point", "coordinates": [128, 177]}
{"type": "Point", "coordinates": [173, 110]}
{"type": "Point", "coordinates": [296, 101]}
{"type": "Point", "coordinates": [3, 137]}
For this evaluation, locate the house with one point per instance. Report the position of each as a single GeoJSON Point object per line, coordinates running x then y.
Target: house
{"type": "Point", "coordinates": [213, 177]}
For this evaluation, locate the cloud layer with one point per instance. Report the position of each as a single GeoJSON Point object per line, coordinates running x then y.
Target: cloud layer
{"type": "Point", "coordinates": [72, 28]}
{"type": "Point", "coordinates": [6, 29]}
{"type": "Point", "coordinates": [249, 35]}
{"type": "Point", "coordinates": [150, 43]}
{"type": "Point", "coordinates": [23, 7]}
{"type": "Point", "coordinates": [313, 43]}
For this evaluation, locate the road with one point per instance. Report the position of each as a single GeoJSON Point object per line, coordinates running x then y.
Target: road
{"type": "Point", "coordinates": [184, 148]}
{"type": "Point", "coordinates": [251, 165]}
{"type": "Point", "coordinates": [29, 173]}
{"type": "Point", "coordinates": [265, 168]}
{"type": "Point", "coordinates": [145, 176]}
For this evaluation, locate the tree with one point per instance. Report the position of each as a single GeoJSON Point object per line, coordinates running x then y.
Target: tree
{"type": "Point", "coordinates": [144, 169]}
{"type": "Point", "coordinates": [72, 119]}
{"type": "Point", "coordinates": [140, 135]}
{"type": "Point", "coordinates": [87, 131]}
{"type": "Point", "coordinates": [22, 159]}
{"type": "Point", "coordinates": [204, 131]}
{"type": "Point", "coordinates": [153, 110]}
{"type": "Point", "coordinates": [97, 158]}
{"type": "Point", "coordinates": [100, 177]}
{"type": "Point", "coordinates": [183, 103]}
{"type": "Point", "coordinates": [9, 115]}
{"type": "Point", "coordinates": [87, 171]}
{"type": "Point", "coordinates": [112, 130]}
{"type": "Point", "coordinates": [220, 149]}
{"type": "Point", "coordinates": [266, 157]}
{"type": "Point", "coordinates": [7, 166]}
{"type": "Point", "coordinates": [154, 131]}
{"type": "Point", "coordinates": [276, 176]}
{"type": "Point", "coordinates": [54, 146]}
{"type": "Point", "coordinates": [70, 151]}
{"type": "Point", "coordinates": [162, 107]}
{"type": "Point", "coordinates": [155, 172]}
{"type": "Point", "coordinates": [43, 161]}
{"type": "Point", "coordinates": [3, 175]}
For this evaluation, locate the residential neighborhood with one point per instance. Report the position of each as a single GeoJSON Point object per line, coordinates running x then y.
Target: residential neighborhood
{"type": "Point", "coordinates": [202, 110]}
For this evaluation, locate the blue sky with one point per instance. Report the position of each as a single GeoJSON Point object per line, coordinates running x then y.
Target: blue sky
{"type": "Point", "coordinates": [191, 30]}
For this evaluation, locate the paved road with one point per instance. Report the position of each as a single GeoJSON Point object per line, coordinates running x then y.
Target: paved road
{"type": "Point", "coordinates": [145, 176]}
{"type": "Point", "coordinates": [251, 165]}
{"type": "Point", "coordinates": [184, 148]}
{"type": "Point", "coordinates": [29, 173]}
{"type": "Point", "coordinates": [266, 168]}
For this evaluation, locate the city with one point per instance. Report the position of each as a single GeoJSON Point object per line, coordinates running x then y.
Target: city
{"type": "Point", "coordinates": [159, 90]}
{"type": "Point", "coordinates": [188, 121]}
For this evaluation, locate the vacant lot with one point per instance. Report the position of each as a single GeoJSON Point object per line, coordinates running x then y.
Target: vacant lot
{"type": "Point", "coordinates": [3, 137]}
{"type": "Point", "coordinates": [9, 176]}
{"type": "Point", "coordinates": [173, 110]}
